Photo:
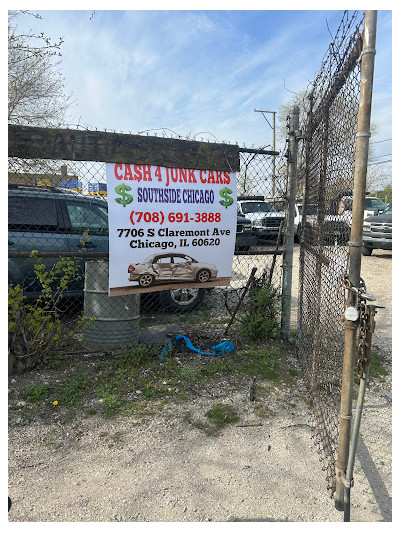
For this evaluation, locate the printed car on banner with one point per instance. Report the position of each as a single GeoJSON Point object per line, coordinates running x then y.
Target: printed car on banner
{"type": "Point", "coordinates": [178, 224]}
{"type": "Point", "coordinates": [170, 267]}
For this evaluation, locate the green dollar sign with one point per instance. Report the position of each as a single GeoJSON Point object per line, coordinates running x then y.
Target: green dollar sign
{"type": "Point", "coordinates": [227, 200]}
{"type": "Point", "coordinates": [126, 198]}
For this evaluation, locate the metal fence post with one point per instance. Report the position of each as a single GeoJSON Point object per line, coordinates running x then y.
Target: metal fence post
{"type": "Point", "coordinates": [355, 245]}
{"type": "Point", "coordinates": [287, 262]}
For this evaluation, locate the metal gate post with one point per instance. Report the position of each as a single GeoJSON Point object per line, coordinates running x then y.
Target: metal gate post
{"type": "Point", "coordinates": [355, 245]}
{"type": "Point", "coordinates": [287, 262]}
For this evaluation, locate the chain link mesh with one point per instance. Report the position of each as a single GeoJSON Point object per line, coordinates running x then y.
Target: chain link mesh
{"type": "Point", "coordinates": [328, 155]}
{"type": "Point", "coordinates": [50, 211]}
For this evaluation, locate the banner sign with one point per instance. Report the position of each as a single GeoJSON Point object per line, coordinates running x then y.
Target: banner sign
{"type": "Point", "coordinates": [169, 227]}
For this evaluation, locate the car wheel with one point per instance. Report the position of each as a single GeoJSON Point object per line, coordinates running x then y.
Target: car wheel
{"type": "Point", "coordinates": [203, 275]}
{"type": "Point", "coordinates": [366, 250]}
{"type": "Point", "coordinates": [182, 300]}
{"type": "Point", "coordinates": [145, 280]}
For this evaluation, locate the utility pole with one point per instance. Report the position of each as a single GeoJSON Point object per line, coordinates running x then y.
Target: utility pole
{"type": "Point", "coordinates": [273, 127]}
{"type": "Point", "coordinates": [287, 262]}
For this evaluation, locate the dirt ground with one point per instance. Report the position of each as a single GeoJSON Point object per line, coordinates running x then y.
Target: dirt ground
{"type": "Point", "coordinates": [157, 467]}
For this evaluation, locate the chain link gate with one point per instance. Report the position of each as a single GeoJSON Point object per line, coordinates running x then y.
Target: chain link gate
{"type": "Point", "coordinates": [53, 221]}
{"type": "Point", "coordinates": [326, 171]}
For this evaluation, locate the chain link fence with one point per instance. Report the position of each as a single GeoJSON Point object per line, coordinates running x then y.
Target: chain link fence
{"type": "Point", "coordinates": [326, 172]}
{"type": "Point", "coordinates": [58, 208]}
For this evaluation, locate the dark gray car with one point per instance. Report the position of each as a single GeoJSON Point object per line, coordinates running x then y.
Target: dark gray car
{"type": "Point", "coordinates": [377, 232]}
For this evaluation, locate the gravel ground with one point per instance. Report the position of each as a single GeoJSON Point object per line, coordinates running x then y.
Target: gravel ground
{"type": "Point", "coordinates": [159, 467]}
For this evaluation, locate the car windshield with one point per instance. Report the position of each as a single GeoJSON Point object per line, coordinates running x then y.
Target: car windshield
{"type": "Point", "coordinates": [374, 203]}
{"type": "Point", "coordinates": [257, 207]}
{"type": "Point", "coordinates": [387, 210]}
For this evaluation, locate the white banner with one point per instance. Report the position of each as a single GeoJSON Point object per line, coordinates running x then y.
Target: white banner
{"type": "Point", "coordinates": [169, 227]}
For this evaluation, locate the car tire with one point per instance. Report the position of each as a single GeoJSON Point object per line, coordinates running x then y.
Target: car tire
{"type": "Point", "coordinates": [145, 280]}
{"type": "Point", "coordinates": [182, 300]}
{"type": "Point", "coordinates": [366, 250]}
{"type": "Point", "coordinates": [203, 275]}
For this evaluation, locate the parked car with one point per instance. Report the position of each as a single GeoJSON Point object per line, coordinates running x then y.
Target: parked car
{"type": "Point", "coordinates": [344, 203]}
{"type": "Point", "coordinates": [265, 219]}
{"type": "Point", "coordinates": [280, 204]}
{"type": "Point", "coordinates": [335, 227]}
{"type": "Point", "coordinates": [377, 232]}
{"type": "Point", "coordinates": [53, 220]}
{"type": "Point", "coordinates": [170, 267]}
{"type": "Point", "coordinates": [245, 237]}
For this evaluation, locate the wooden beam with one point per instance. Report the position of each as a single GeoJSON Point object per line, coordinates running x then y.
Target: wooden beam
{"type": "Point", "coordinates": [46, 143]}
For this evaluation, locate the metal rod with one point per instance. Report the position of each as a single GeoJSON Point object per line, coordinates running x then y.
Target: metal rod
{"type": "Point", "coordinates": [358, 413]}
{"type": "Point", "coordinates": [287, 263]}
{"type": "Point", "coordinates": [256, 151]}
{"type": "Point", "coordinates": [360, 172]}
{"type": "Point", "coordinates": [354, 440]}
{"type": "Point", "coordinates": [249, 282]}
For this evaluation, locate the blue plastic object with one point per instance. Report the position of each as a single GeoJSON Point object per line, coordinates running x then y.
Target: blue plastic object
{"type": "Point", "coordinates": [218, 349]}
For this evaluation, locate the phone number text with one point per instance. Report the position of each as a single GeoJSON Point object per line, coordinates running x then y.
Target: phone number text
{"type": "Point", "coordinates": [158, 217]}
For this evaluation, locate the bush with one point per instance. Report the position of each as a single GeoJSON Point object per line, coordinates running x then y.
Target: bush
{"type": "Point", "coordinates": [261, 320]}
{"type": "Point", "coordinates": [34, 327]}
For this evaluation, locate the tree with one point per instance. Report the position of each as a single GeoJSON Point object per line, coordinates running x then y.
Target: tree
{"type": "Point", "coordinates": [386, 194]}
{"type": "Point", "coordinates": [379, 177]}
{"type": "Point", "coordinates": [36, 94]}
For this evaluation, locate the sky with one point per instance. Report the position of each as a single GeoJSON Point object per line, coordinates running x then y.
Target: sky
{"type": "Point", "coordinates": [202, 73]}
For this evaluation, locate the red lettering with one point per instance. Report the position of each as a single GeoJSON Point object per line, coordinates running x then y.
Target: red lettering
{"type": "Point", "coordinates": [158, 173]}
{"type": "Point", "coordinates": [147, 173]}
{"type": "Point", "coordinates": [138, 172]}
{"type": "Point", "coordinates": [203, 180]}
{"type": "Point", "coordinates": [183, 175]}
{"type": "Point", "coordinates": [128, 173]}
{"type": "Point", "coordinates": [227, 178]}
{"type": "Point", "coordinates": [116, 173]}
{"type": "Point", "coordinates": [192, 178]}
{"type": "Point", "coordinates": [174, 174]}
{"type": "Point", "coordinates": [219, 177]}
{"type": "Point", "coordinates": [211, 177]}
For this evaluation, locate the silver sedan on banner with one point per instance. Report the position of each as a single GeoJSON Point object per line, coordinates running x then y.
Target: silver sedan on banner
{"type": "Point", "coordinates": [171, 267]}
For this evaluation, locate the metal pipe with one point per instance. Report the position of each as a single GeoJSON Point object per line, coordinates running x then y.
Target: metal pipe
{"type": "Point", "coordinates": [287, 263]}
{"type": "Point", "coordinates": [355, 244]}
{"type": "Point", "coordinates": [358, 413]}
{"type": "Point", "coordinates": [273, 159]}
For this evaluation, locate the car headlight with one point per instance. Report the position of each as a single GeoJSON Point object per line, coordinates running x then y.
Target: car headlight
{"type": "Point", "coordinates": [367, 225]}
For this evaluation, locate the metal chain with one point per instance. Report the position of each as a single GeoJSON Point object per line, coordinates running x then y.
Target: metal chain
{"type": "Point", "coordinates": [362, 352]}
{"type": "Point", "coordinates": [363, 322]}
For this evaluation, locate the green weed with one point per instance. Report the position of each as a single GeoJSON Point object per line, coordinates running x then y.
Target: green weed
{"type": "Point", "coordinates": [36, 393]}
{"type": "Point", "coordinates": [221, 415]}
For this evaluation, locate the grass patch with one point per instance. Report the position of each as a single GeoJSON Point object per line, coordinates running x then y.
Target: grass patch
{"type": "Point", "coordinates": [36, 393]}
{"type": "Point", "coordinates": [135, 382]}
{"type": "Point", "coordinates": [221, 415]}
{"type": "Point", "coordinates": [70, 392]}
{"type": "Point", "coordinates": [376, 367]}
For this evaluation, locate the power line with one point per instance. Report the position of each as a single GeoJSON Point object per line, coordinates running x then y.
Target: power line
{"type": "Point", "coordinates": [383, 140]}
{"type": "Point", "coordinates": [380, 162]}
{"type": "Point", "coordinates": [378, 156]}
